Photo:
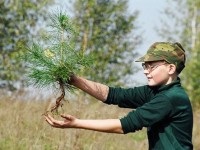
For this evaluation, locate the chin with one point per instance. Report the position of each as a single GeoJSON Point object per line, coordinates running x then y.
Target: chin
{"type": "Point", "coordinates": [152, 84]}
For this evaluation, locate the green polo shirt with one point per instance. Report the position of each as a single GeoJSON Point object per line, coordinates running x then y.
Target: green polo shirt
{"type": "Point", "coordinates": [166, 112]}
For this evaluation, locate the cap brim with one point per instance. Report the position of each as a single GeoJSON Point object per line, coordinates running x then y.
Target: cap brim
{"type": "Point", "coordinates": [141, 59]}
{"type": "Point", "coordinates": [148, 58]}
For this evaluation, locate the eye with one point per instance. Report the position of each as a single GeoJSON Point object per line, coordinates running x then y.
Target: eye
{"type": "Point", "coordinates": [152, 66]}
{"type": "Point", "coordinates": [143, 66]}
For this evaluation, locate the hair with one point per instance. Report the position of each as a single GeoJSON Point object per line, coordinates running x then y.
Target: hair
{"type": "Point", "coordinates": [181, 66]}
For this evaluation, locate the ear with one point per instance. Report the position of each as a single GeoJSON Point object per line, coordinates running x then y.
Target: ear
{"type": "Point", "coordinates": [172, 69]}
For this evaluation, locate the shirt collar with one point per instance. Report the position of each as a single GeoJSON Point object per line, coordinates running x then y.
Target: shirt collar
{"type": "Point", "coordinates": [168, 86]}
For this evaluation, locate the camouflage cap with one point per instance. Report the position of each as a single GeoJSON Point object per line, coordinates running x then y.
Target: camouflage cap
{"type": "Point", "coordinates": [170, 52]}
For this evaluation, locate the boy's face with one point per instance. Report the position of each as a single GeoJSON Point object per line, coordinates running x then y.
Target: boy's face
{"type": "Point", "coordinates": [158, 72]}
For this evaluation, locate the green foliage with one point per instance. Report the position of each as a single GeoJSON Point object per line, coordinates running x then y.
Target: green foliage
{"type": "Point", "coordinates": [191, 37]}
{"type": "Point", "coordinates": [58, 60]}
{"type": "Point", "coordinates": [192, 80]}
{"type": "Point", "coordinates": [18, 20]}
{"type": "Point", "coordinates": [107, 31]}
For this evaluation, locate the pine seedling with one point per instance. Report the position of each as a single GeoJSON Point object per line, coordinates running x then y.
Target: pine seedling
{"type": "Point", "coordinates": [52, 64]}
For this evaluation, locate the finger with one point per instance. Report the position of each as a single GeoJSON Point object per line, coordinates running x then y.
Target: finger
{"type": "Point", "coordinates": [50, 117]}
{"type": "Point", "coordinates": [53, 122]}
{"type": "Point", "coordinates": [68, 117]}
{"type": "Point", "coordinates": [53, 125]}
{"type": "Point", "coordinates": [48, 121]}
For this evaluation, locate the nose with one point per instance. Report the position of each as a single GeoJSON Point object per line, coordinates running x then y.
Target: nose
{"type": "Point", "coordinates": [146, 71]}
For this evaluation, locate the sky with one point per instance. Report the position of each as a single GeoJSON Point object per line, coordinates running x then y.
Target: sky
{"type": "Point", "coordinates": [148, 19]}
{"type": "Point", "coordinates": [149, 16]}
{"type": "Point", "coordinates": [150, 12]}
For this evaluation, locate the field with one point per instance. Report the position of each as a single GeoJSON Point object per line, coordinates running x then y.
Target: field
{"type": "Point", "coordinates": [22, 126]}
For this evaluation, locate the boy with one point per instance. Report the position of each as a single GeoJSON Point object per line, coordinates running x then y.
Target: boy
{"type": "Point", "coordinates": [162, 106]}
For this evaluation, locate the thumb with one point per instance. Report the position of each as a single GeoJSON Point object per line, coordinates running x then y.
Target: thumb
{"type": "Point", "coordinates": [69, 117]}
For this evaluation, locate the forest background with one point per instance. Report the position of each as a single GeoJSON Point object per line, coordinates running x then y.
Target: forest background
{"type": "Point", "coordinates": [112, 34]}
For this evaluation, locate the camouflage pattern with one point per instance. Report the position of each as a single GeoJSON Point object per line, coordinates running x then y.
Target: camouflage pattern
{"type": "Point", "coordinates": [170, 52]}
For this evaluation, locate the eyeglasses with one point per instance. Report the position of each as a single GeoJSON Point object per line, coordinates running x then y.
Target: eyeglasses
{"type": "Point", "coordinates": [150, 68]}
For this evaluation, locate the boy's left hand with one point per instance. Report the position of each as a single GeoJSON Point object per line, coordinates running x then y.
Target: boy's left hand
{"type": "Point", "coordinates": [68, 122]}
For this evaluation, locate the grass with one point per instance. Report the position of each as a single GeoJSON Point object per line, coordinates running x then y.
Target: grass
{"type": "Point", "coordinates": [23, 127]}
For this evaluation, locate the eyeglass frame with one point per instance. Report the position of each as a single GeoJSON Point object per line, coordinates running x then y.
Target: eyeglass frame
{"type": "Point", "coordinates": [151, 68]}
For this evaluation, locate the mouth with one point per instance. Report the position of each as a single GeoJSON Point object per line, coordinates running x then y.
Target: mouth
{"type": "Point", "coordinates": [149, 78]}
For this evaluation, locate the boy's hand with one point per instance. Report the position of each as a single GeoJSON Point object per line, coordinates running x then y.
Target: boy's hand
{"type": "Point", "coordinates": [68, 122]}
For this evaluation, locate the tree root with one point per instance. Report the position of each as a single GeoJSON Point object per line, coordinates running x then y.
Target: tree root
{"type": "Point", "coordinates": [58, 100]}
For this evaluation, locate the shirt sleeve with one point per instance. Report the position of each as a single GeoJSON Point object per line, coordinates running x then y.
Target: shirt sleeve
{"type": "Point", "coordinates": [154, 111]}
{"type": "Point", "coordinates": [129, 98]}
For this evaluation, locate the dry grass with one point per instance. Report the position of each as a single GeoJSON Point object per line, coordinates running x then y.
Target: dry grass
{"type": "Point", "coordinates": [196, 131]}
{"type": "Point", "coordinates": [23, 127]}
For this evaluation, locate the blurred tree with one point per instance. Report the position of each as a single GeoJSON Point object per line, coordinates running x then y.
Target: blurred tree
{"type": "Point", "coordinates": [18, 23]}
{"type": "Point", "coordinates": [107, 31]}
{"type": "Point", "coordinates": [192, 33]}
{"type": "Point", "coordinates": [185, 16]}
